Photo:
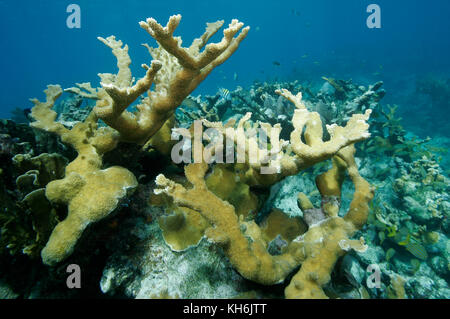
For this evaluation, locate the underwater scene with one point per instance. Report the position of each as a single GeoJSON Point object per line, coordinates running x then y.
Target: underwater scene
{"type": "Point", "coordinates": [199, 149]}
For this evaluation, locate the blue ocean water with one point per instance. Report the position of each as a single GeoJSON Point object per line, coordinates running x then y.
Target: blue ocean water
{"type": "Point", "coordinates": [289, 40]}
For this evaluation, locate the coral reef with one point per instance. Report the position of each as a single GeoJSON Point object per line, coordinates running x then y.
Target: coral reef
{"type": "Point", "coordinates": [91, 181]}
{"type": "Point", "coordinates": [266, 106]}
{"type": "Point", "coordinates": [262, 227]}
{"type": "Point", "coordinates": [317, 250]}
{"type": "Point", "coordinates": [27, 217]}
{"type": "Point", "coordinates": [242, 240]}
{"type": "Point", "coordinates": [290, 157]}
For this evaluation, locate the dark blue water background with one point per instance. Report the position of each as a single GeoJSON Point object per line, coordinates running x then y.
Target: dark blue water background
{"type": "Point", "coordinates": [306, 39]}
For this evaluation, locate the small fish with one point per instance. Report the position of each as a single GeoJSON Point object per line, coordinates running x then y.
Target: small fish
{"type": "Point", "coordinates": [417, 250]}
{"type": "Point", "coordinates": [316, 62]}
{"type": "Point", "coordinates": [276, 63]}
{"type": "Point", "coordinates": [257, 28]}
{"type": "Point", "coordinates": [235, 76]}
{"type": "Point", "coordinates": [304, 56]}
{"type": "Point", "coordinates": [295, 12]}
{"type": "Point", "coordinates": [390, 252]}
{"type": "Point", "coordinates": [224, 93]}
{"type": "Point", "coordinates": [414, 248]}
{"type": "Point", "coordinates": [392, 231]}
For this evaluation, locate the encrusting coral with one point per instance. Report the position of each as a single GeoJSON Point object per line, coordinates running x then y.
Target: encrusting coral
{"type": "Point", "coordinates": [327, 238]}
{"type": "Point", "coordinates": [27, 218]}
{"type": "Point", "coordinates": [90, 191]}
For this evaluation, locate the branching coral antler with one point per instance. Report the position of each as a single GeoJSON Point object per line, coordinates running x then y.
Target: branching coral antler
{"type": "Point", "coordinates": [328, 237]}
{"type": "Point", "coordinates": [305, 148]}
{"type": "Point", "coordinates": [315, 149]}
{"type": "Point", "coordinates": [245, 249]}
{"type": "Point", "coordinates": [90, 191]}
{"type": "Point", "coordinates": [250, 147]}
{"type": "Point", "coordinates": [316, 251]}
{"type": "Point", "coordinates": [175, 73]}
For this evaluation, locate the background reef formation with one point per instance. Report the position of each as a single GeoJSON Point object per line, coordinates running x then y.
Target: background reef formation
{"type": "Point", "coordinates": [223, 230]}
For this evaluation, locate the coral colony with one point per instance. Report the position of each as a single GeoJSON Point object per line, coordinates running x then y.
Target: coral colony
{"type": "Point", "coordinates": [231, 163]}
{"type": "Point", "coordinates": [176, 72]}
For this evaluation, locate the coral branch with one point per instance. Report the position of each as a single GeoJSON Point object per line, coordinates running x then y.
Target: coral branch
{"type": "Point", "coordinates": [241, 241]}
{"type": "Point", "coordinates": [315, 149]}
{"type": "Point", "coordinates": [328, 239]}
{"type": "Point", "coordinates": [44, 115]}
{"type": "Point", "coordinates": [85, 90]}
{"type": "Point", "coordinates": [317, 250]}
{"type": "Point", "coordinates": [305, 148]}
{"type": "Point", "coordinates": [90, 192]}
{"type": "Point", "coordinates": [175, 73]}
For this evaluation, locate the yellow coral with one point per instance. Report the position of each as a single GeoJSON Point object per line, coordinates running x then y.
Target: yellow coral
{"type": "Point", "coordinates": [162, 140]}
{"type": "Point", "coordinates": [91, 192]}
{"type": "Point", "coordinates": [304, 149]}
{"type": "Point", "coordinates": [243, 242]}
{"type": "Point", "coordinates": [326, 241]}
{"type": "Point", "coordinates": [278, 223]}
{"type": "Point", "coordinates": [396, 289]}
{"type": "Point", "coordinates": [227, 185]}
{"type": "Point", "coordinates": [246, 249]}
{"type": "Point", "coordinates": [175, 72]}
{"type": "Point", "coordinates": [182, 229]}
